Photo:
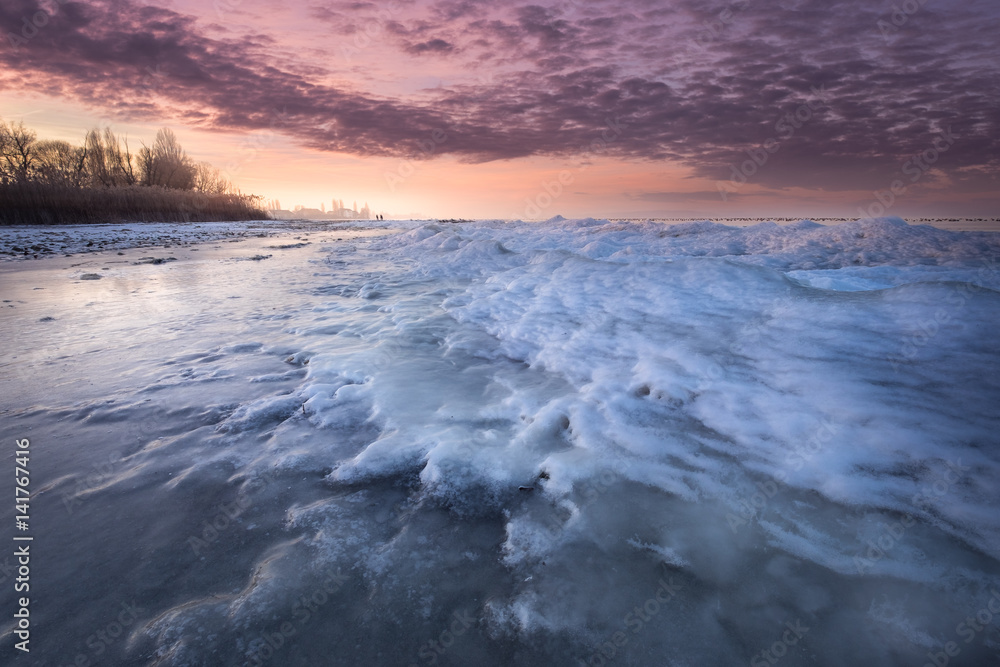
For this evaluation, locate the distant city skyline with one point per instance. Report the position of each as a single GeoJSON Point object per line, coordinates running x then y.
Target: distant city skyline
{"type": "Point", "coordinates": [338, 210]}
{"type": "Point", "coordinates": [459, 108]}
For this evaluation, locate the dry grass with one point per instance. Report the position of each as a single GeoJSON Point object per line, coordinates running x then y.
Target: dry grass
{"type": "Point", "coordinates": [41, 204]}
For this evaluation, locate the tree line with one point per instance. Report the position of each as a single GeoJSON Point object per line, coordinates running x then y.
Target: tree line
{"type": "Point", "coordinates": [105, 159]}
{"type": "Point", "coordinates": [51, 181]}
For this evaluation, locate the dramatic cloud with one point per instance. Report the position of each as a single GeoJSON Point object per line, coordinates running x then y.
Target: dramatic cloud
{"type": "Point", "coordinates": [832, 94]}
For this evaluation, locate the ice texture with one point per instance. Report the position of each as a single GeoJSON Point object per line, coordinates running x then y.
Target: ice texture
{"type": "Point", "coordinates": [591, 442]}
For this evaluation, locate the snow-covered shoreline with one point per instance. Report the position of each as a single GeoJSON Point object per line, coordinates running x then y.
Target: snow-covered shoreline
{"type": "Point", "coordinates": [39, 241]}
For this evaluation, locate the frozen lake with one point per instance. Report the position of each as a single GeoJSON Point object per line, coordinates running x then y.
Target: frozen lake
{"type": "Point", "coordinates": [560, 443]}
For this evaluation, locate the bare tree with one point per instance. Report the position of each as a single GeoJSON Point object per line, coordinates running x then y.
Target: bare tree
{"type": "Point", "coordinates": [119, 159]}
{"type": "Point", "coordinates": [97, 162]}
{"type": "Point", "coordinates": [18, 145]}
{"type": "Point", "coordinates": [59, 163]}
{"type": "Point", "coordinates": [166, 164]}
{"type": "Point", "coordinates": [109, 161]}
{"type": "Point", "coordinates": [147, 166]}
{"type": "Point", "coordinates": [210, 180]}
{"type": "Point", "coordinates": [104, 160]}
{"type": "Point", "coordinates": [5, 175]}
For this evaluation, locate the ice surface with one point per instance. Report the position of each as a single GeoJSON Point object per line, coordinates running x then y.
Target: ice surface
{"type": "Point", "coordinates": [523, 433]}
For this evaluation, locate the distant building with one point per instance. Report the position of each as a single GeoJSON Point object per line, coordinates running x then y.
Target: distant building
{"type": "Point", "coordinates": [302, 213]}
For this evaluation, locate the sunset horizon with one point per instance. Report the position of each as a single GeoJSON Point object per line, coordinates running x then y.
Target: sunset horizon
{"type": "Point", "coordinates": [464, 109]}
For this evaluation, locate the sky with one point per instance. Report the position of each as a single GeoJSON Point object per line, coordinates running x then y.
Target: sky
{"type": "Point", "coordinates": [467, 108]}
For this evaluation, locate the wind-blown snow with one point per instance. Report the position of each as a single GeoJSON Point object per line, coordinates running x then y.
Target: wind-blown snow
{"type": "Point", "coordinates": [541, 425]}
